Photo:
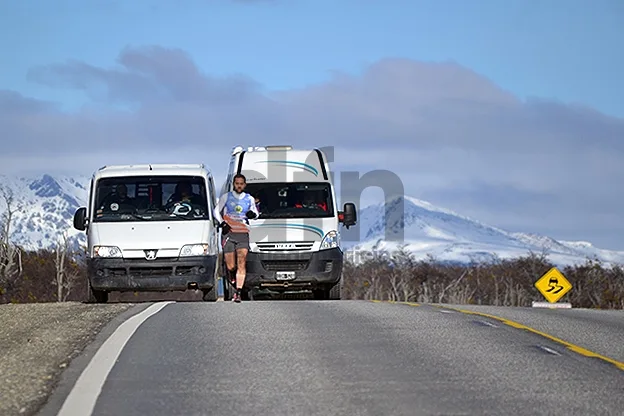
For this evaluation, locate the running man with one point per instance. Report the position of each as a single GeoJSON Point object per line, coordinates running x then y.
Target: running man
{"type": "Point", "coordinates": [233, 212]}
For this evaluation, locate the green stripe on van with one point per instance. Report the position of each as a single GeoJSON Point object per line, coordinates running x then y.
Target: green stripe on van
{"type": "Point", "coordinates": [291, 163]}
{"type": "Point", "coordinates": [294, 226]}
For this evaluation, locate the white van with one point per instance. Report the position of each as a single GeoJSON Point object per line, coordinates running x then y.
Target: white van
{"type": "Point", "coordinates": [295, 242]}
{"type": "Point", "coordinates": [147, 232]}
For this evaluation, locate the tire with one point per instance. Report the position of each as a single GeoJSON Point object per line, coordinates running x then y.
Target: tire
{"type": "Point", "coordinates": [96, 296]}
{"type": "Point", "coordinates": [226, 290]}
{"type": "Point", "coordinates": [210, 295]}
{"type": "Point", "coordinates": [319, 294]}
{"type": "Point", "coordinates": [335, 292]}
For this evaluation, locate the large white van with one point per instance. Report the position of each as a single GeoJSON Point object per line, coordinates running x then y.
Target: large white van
{"type": "Point", "coordinates": [151, 228]}
{"type": "Point", "coordinates": [295, 242]}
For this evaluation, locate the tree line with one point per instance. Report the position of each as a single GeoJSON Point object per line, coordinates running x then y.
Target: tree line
{"type": "Point", "coordinates": [399, 276]}
{"type": "Point", "coordinates": [59, 274]}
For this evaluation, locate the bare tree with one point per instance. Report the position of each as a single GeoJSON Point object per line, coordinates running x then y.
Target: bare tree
{"type": "Point", "coordinates": [10, 254]}
{"type": "Point", "coordinates": [65, 276]}
{"type": "Point", "coordinates": [71, 278]}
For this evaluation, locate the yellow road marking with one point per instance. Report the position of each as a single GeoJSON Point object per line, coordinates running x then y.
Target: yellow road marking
{"type": "Point", "coordinates": [570, 346]}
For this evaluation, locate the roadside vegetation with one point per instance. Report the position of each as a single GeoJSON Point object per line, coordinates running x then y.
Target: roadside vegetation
{"type": "Point", "coordinates": [398, 276]}
{"type": "Point", "coordinates": [59, 275]}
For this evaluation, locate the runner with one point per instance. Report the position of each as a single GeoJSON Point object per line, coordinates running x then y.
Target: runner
{"type": "Point", "coordinates": [233, 212]}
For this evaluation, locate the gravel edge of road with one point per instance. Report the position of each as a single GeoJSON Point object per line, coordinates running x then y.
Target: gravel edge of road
{"type": "Point", "coordinates": [43, 341]}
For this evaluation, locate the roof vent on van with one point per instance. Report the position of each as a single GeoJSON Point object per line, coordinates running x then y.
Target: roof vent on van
{"type": "Point", "coordinates": [279, 147]}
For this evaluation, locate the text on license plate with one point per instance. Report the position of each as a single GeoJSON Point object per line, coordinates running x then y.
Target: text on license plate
{"type": "Point", "coordinates": [285, 275]}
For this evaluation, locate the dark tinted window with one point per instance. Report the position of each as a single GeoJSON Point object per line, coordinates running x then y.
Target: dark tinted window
{"type": "Point", "coordinates": [292, 200]}
{"type": "Point", "coordinates": [155, 198]}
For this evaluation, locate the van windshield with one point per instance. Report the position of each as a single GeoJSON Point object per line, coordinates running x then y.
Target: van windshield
{"type": "Point", "coordinates": [151, 198]}
{"type": "Point", "coordinates": [292, 200]}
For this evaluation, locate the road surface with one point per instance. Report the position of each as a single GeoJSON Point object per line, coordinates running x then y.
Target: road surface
{"type": "Point", "coordinates": [347, 358]}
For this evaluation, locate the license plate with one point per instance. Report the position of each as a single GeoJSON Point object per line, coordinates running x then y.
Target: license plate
{"type": "Point", "coordinates": [285, 275]}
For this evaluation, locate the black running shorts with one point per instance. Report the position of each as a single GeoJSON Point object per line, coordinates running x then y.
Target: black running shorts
{"type": "Point", "coordinates": [234, 241]}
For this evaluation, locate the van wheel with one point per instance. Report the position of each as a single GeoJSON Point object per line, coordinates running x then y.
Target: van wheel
{"type": "Point", "coordinates": [227, 294]}
{"type": "Point", "coordinates": [96, 296]}
{"type": "Point", "coordinates": [335, 292]}
{"type": "Point", "coordinates": [210, 295]}
{"type": "Point", "coordinates": [319, 294]}
{"type": "Point", "coordinates": [328, 294]}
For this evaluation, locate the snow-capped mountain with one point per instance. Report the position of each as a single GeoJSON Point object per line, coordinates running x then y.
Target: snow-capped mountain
{"type": "Point", "coordinates": [44, 209]}
{"type": "Point", "coordinates": [48, 205]}
{"type": "Point", "coordinates": [448, 236]}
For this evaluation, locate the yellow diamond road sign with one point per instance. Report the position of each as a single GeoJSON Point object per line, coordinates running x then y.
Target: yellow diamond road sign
{"type": "Point", "coordinates": [553, 285]}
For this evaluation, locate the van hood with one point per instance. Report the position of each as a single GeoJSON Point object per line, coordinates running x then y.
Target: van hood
{"type": "Point", "coordinates": [167, 237]}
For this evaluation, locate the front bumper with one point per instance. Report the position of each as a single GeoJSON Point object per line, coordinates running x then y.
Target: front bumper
{"type": "Point", "coordinates": [152, 275]}
{"type": "Point", "coordinates": [314, 270]}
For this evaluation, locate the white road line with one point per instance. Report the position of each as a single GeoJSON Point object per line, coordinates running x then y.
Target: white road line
{"type": "Point", "coordinates": [549, 350]}
{"type": "Point", "coordinates": [488, 324]}
{"type": "Point", "coordinates": [81, 400]}
{"type": "Point", "coordinates": [445, 311]}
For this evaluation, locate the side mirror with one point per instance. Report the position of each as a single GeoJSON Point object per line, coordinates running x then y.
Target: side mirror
{"type": "Point", "coordinates": [80, 219]}
{"type": "Point", "coordinates": [349, 215]}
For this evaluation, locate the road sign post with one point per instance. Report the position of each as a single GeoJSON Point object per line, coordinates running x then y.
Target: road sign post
{"type": "Point", "coordinates": [553, 285]}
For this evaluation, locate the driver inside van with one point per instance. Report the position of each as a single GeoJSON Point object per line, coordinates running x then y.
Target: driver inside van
{"type": "Point", "coordinates": [183, 201]}
{"type": "Point", "coordinates": [184, 193]}
{"type": "Point", "coordinates": [309, 201]}
{"type": "Point", "coordinates": [117, 200]}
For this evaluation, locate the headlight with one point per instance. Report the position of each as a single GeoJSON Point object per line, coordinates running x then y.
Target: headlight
{"type": "Point", "coordinates": [331, 240]}
{"type": "Point", "coordinates": [194, 250]}
{"type": "Point", "coordinates": [106, 251]}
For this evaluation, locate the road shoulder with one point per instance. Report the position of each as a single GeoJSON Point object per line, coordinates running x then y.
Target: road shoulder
{"type": "Point", "coordinates": [42, 343]}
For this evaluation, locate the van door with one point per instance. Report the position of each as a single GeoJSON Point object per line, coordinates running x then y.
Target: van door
{"type": "Point", "coordinates": [213, 198]}
{"type": "Point", "coordinates": [214, 230]}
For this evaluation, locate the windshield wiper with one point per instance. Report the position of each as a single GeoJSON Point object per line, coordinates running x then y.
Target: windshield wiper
{"type": "Point", "coordinates": [134, 215]}
{"type": "Point", "coordinates": [188, 215]}
{"type": "Point", "coordinates": [300, 214]}
{"type": "Point", "coordinates": [273, 216]}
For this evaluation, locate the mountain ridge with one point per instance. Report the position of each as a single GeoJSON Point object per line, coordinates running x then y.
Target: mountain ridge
{"type": "Point", "coordinates": [448, 236]}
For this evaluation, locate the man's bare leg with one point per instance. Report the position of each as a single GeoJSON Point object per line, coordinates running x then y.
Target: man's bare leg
{"type": "Point", "coordinates": [229, 264]}
{"type": "Point", "coordinates": [241, 259]}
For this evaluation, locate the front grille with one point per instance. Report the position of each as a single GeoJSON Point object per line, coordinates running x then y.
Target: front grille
{"type": "Point", "coordinates": [184, 270]}
{"type": "Point", "coordinates": [285, 247]}
{"type": "Point", "coordinates": [284, 265]}
{"type": "Point", "coordinates": [150, 271]}
{"type": "Point", "coordinates": [153, 271]}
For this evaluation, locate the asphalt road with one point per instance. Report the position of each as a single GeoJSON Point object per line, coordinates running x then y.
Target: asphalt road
{"type": "Point", "coordinates": [354, 358]}
{"type": "Point", "coordinates": [601, 331]}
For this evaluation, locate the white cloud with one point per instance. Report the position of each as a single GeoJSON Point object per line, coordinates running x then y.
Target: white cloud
{"type": "Point", "coordinates": [451, 135]}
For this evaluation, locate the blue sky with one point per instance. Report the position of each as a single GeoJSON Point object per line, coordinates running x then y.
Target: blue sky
{"type": "Point", "coordinates": [505, 111]}
{"type": "Point", "coordinates": [561, 49]}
